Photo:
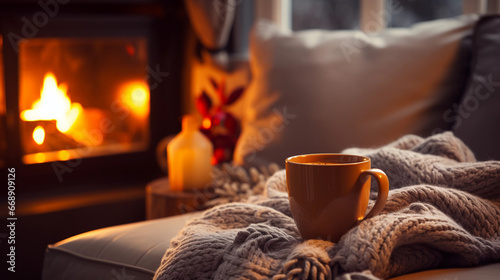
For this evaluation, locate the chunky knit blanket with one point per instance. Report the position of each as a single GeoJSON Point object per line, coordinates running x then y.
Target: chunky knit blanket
{"type": "Point", "coordinates": [443, 210]}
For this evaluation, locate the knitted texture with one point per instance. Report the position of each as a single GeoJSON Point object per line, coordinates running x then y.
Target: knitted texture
{"type": "Point", "coordinates": [443, 210]}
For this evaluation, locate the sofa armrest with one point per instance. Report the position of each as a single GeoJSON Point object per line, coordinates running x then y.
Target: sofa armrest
{"type": "Point", "coordinates": [133, 250]}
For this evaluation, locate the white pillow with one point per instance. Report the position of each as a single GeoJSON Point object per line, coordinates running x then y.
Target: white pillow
{"type": "Point", "coordinates": [323, 91]}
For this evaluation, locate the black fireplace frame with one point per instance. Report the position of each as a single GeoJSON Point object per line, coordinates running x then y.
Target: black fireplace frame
{"type": "Point", "coordinates": [163, 23]}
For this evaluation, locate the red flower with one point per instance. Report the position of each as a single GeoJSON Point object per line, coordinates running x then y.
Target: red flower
{"type": "Point", "coordinates": [221, 127]}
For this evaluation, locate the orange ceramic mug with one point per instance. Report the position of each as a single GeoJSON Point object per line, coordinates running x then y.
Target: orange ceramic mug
{"type": "Point", "coordinates": [329, 193]}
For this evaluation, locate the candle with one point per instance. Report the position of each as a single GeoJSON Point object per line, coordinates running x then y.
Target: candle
{"type": "Point", "coordinates": [189, 157]}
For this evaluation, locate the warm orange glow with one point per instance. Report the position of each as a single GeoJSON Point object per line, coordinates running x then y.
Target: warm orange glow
{"type": "Point", "coordinates": [39, 157]}
{"type": "Point", "coordinates": [63, 155]}
{"type": "Point", "coordinates": [207, 123]}
{"type": "Point", "coordinates": [135, 96]}
{"type": "Point", "coordinates": [54, 104]}
{"type": "Point", "coordinates": [39, 135]}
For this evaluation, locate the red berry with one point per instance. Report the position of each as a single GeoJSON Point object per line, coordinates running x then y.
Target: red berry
{"type": "Point", "coordinates": [203, 104]}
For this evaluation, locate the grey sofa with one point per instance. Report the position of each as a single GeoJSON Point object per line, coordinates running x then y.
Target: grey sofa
{"type": "Point", "coordinates": [134, 251]}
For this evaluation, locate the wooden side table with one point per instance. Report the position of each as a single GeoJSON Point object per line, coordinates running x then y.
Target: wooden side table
{"type": "Point", "coordinates": [162, 202]}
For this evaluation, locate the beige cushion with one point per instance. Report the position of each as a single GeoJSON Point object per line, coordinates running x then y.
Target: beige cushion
{"type": "Point", "coordinates": [323, 91]}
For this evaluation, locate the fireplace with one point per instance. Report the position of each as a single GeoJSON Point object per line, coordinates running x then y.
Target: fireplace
{"type": "Point", "coordinates": [101, 109]}
{"type": "Point", "coordinates": [87, 90]}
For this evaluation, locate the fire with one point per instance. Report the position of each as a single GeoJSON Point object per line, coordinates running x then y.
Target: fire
{"type": "Point", "coordinates": [39, 135]}
{"type": "Point", "coordinates": [135, 95]}
{"type": "Point", "coordinates": [54, 104]}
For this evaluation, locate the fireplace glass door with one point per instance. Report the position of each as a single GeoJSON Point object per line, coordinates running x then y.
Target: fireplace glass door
{"type": "Point", "coordinates": [82, 97]}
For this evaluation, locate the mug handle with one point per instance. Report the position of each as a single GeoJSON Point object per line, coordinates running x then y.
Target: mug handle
{"type": "Point", "coordinates": [383, 189]}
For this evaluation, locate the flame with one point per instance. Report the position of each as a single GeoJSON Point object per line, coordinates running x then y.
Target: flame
{"type": "Point", "coordinates": [54, 104]}
{"type": "Point", "coordinates": [39, 135]}
{"type": "Point", "coordinates": [135, 95]}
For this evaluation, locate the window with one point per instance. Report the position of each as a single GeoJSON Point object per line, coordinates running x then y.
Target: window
{"type": "Point", "coordinates": [349, 14]}
{"type": "Point", "coordinates": [408, 12]}
{"type": "Point", "coordinates": [325, 14]}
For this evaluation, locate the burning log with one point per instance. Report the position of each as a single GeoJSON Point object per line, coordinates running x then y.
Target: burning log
{"type": "Point", "coordinates": [48, 138]}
